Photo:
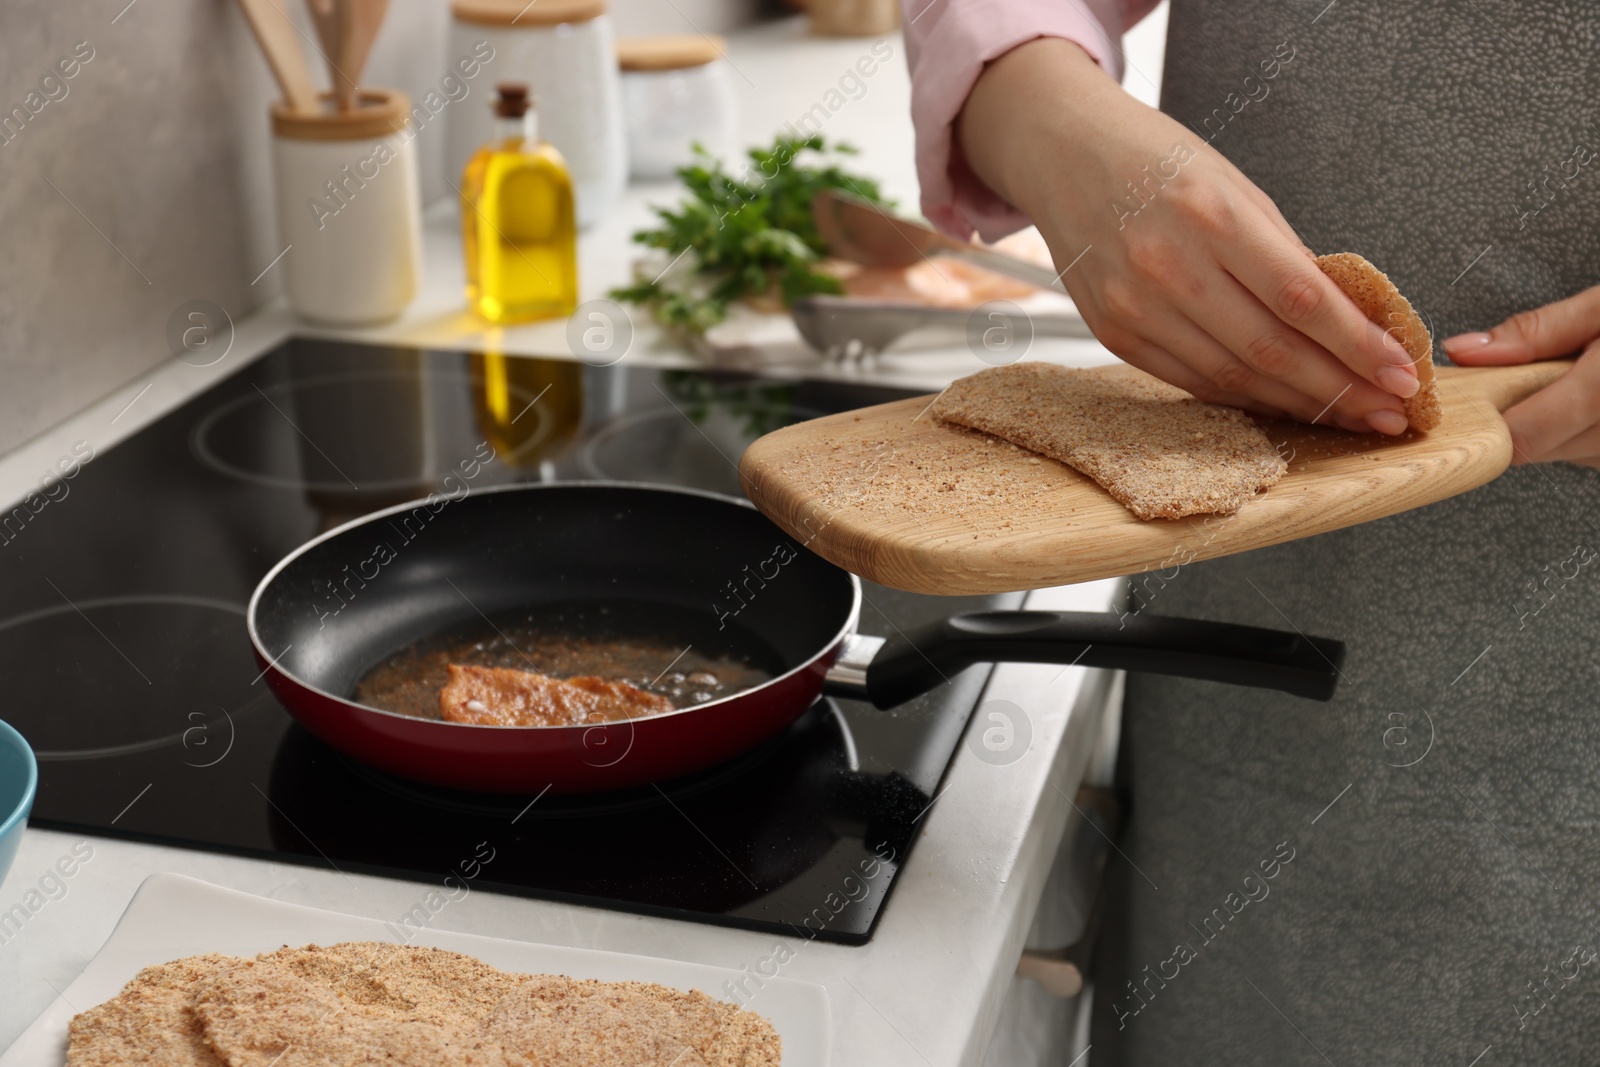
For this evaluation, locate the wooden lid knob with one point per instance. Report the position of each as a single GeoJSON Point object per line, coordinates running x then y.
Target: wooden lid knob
{"type": "Point", "coordinates": [522, 13]}
{"type": "Point", "coordinates": [672, 52]}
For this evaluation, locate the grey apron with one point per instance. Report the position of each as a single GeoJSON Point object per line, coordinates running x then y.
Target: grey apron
{"type": "Point", "coordinates": [1410, 874]}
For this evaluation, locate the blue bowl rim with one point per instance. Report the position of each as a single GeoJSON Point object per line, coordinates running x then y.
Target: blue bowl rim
{"type": "Point", "coordinates": [16, 817]}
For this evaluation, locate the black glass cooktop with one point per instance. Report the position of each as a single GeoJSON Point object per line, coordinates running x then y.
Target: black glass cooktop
{"type": "Point", "coordinates": [124, 659]}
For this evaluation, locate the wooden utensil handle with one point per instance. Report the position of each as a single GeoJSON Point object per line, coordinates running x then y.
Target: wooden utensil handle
{"type": "Point", "coordinates": [1504, 387]}
{"type": "Point", "coordinates": [280, 44]}
{"type": "Point", "coordinates": [1221, 652]}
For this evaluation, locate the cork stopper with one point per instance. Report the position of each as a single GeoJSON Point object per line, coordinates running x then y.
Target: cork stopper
{"type": "Point", "coordinates": [512, 100]}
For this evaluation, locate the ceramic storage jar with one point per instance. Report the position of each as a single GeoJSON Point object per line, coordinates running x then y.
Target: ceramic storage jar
{"type": "Point", "coordinates": [349, 209]}
{"type": "Point", "coordinates": [676, 92]}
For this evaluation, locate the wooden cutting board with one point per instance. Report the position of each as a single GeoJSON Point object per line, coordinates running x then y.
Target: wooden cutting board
{"type": "Point", "coordinates": [900, 499]}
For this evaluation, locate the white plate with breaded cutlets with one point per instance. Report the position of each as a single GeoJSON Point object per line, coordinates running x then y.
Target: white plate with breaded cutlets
{"type": "Point", "coordinates": [196, 975]}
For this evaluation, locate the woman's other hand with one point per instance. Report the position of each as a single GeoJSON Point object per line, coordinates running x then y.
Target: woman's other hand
{"type": "Point", "coordinates": [1180, 265]}
{"type": "Point", "coordinates": [1562, 420]}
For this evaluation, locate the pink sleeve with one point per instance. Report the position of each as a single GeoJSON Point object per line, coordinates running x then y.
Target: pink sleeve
{"type": "Point", "coordinates": [947, 44]}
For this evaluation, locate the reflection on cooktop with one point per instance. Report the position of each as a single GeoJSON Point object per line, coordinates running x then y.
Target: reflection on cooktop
{"type": "Point", "coordinates": [698, 440]}
{"type": "Point", "coordinates": [358, 432]}
{"type": "Point", "coordinates": [124, 655]}
{"type": "Point", "coordinates": [630, 845]}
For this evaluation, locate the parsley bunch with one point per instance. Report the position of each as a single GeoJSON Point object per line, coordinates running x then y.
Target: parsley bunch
{"type": "Point", "coordinates": [749, 235]}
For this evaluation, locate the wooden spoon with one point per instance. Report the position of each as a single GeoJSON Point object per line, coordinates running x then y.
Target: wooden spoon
{"type": "Point", "coordinates": [328, 16]}
{"type": "Point", "coordinates": [347, 29]}
{"type": "Point", "coordinates": [898, 498]}
{"type": "Point", "coordinates": [362, 21]}
{"type": "Point", "coordinates": [280, 43]}
{"type": "Point", "coordinates": [859, 231]}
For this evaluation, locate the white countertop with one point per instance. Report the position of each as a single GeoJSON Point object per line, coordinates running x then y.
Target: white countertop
{"type": "Point", "coordinates": [929, 985]}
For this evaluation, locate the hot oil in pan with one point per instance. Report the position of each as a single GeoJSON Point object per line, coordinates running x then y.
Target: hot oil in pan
{"type": "Point", "coordinates": [667, 649]}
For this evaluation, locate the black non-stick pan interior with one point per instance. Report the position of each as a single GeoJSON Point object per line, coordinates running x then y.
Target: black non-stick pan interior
{"type": "Point", "coordinates": [370, 589]}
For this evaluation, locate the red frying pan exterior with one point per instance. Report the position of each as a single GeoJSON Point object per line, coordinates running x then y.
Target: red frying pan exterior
{"type": "Point", "coordinates": [562, 759]}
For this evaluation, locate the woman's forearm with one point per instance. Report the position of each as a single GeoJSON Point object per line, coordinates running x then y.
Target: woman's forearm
{"type": "Point", "coordinates": [948, 44]}
{"type": "Point", "coordinates": [1014, 127]}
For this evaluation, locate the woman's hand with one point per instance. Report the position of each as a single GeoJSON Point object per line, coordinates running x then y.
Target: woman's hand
{"type": "Point", "coordinates": [1562, 420]}
{"type": "Point", "coordinates": [1178, 263]}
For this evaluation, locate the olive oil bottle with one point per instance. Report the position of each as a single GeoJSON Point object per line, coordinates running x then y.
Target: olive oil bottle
{"type": "Point", "coordinates": [517, 225]}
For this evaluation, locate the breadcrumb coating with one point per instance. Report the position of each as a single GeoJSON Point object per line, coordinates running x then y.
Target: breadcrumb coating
{"type": "Point", "coordinates": [1160, 452]}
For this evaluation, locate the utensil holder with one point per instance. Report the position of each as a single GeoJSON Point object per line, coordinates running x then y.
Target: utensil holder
{"type": "Point", "coordinates": [349, 209]}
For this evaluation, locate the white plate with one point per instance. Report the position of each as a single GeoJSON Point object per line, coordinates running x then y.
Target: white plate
{"type": "Point", "coordinates": [173, 916]}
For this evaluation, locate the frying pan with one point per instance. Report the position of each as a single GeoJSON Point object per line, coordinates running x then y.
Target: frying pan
{"type": "Point", "coordinates": [348, 600]}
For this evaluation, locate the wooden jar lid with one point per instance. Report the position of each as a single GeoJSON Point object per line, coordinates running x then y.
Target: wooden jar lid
{"type": "Point", "coordinates": [525, 13]}
{"type": "Point", "coordinates": [379, 113]}
{"type": "Point", "coordinates": [670, 52]}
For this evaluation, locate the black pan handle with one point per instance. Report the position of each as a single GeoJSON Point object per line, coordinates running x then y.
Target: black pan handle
{"type": "Point", "coordinates": [910, 664]}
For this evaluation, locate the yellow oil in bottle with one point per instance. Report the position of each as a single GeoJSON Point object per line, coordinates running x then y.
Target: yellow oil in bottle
{"type": "Point", "coordinates": [517, 223]}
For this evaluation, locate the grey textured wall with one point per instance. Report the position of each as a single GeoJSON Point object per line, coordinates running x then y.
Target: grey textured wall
{"type": "Point", "coordinates": [143, 181]}
{"type": "Point", "coordinates": [118, 200]}
{"type": "Point", "coordinates": [143, 185]}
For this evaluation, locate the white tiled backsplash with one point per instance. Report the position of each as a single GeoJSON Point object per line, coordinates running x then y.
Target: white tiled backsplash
{"type": "Point", "coordinates": [141, 181]}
